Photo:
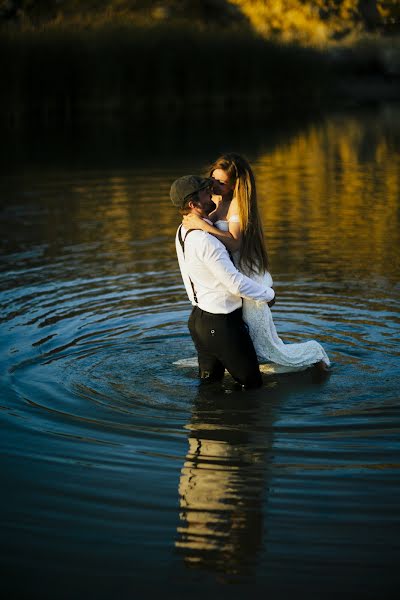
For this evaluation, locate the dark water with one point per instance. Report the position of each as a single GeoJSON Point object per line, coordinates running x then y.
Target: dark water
{"type": "Point", "coordinates": [120, 476]}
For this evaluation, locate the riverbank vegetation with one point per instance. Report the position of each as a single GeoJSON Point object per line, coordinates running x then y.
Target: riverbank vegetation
{"type": "Point", "coordinates": [70, 59]}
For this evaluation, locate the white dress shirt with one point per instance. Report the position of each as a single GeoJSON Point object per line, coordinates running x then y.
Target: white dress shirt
{"type": "Point", "coordinates": [219, 286]}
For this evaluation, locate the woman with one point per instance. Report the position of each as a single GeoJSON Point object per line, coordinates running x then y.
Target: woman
{"type": "Point", "coordinates": [236, 222]}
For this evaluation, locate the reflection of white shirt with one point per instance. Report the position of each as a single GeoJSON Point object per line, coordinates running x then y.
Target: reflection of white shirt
{"type": "Point", "coordinates": [219, 285]}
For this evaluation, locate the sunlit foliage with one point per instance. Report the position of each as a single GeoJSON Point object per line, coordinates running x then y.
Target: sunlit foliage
{"type": "Point", "coordinates": [316, 21]}
{"type": "Point", "coordinates": [307, 21]}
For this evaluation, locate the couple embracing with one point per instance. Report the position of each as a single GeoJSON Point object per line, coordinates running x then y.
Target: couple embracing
{"type": "Point", "coordinates": [224, 265]}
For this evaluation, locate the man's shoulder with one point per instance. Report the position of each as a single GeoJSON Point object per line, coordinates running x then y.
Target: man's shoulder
{"type": "Point", "coordinates": [194, 235]}
{"type": "Point", "coordinates": [197, 240]}
{"type": "Point", "coordinates": [200, 238]}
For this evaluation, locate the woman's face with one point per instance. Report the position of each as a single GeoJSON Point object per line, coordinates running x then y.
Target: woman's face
{"type": "Point", "coordinates": [221, 185]}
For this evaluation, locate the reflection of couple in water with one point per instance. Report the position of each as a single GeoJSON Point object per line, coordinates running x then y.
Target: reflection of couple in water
{"type": "Point", "coordinates": [223, 484]}
{"type": "Point", "coordinates": [224, 267]}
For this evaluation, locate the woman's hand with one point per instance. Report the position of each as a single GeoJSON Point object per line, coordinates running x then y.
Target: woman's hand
{"type": "Point", "coordinates": [193, 221]}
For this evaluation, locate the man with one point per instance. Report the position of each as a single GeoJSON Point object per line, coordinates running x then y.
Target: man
{"type": "Point", "coordinates": [215, 287]}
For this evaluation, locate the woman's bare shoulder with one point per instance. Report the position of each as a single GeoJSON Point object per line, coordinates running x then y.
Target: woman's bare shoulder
{"type": "Point", "coordinates": [233, 208]}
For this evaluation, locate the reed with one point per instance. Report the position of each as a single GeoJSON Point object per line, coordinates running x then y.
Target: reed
{"type": "Point", "coordinates": [128, 69]}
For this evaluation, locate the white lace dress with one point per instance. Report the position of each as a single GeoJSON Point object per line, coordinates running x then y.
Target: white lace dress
{"type": "Point", "coordinates": [268, 345]}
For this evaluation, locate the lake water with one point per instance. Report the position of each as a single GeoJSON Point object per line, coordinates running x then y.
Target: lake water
{"type": "Point", "coordinates": [119, 475]}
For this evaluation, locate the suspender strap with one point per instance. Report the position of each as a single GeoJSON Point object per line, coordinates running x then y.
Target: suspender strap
{"type": "Point", "coordinates": [182, 243]}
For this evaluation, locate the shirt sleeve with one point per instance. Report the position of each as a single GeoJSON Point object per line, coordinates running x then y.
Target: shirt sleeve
{"type": "Point", "coordinates": [222, 268]}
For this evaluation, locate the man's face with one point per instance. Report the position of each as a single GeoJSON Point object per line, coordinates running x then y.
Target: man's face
{"type": "Point", "coordinates": [204, 205]}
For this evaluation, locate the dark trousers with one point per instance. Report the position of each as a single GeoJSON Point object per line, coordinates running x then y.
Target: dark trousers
{"type": "Point", "coordinates": [223, 342]}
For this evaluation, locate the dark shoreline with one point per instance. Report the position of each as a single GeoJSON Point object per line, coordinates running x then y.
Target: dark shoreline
{"type": "Point", "coordinates": [115, 143]}
{"type": "Point", "coordinates": [124, 73]}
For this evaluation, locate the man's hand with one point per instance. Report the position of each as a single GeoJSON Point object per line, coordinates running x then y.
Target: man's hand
{"type": "Point", "coordinates": [272, 302]}
{"type": "Point", "coordinates": [192, 221]}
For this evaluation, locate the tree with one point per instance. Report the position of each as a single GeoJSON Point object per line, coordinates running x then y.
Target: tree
{"type": "Point", "coordinates": [316, 21]}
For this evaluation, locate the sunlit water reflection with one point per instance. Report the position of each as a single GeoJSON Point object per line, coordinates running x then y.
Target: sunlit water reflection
{"type": "Point", "coordinates": [116, 466]}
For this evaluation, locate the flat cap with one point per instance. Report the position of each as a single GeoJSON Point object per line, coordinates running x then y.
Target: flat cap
{"type": "Point", "coordinates": [186, 186]}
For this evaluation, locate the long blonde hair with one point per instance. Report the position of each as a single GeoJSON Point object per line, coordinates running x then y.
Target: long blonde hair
{"type": "Point", "coordinates": [253, 255]}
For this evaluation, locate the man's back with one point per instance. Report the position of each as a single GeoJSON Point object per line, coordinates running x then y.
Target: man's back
{"type": "Point", "coordinates": [219, 286]}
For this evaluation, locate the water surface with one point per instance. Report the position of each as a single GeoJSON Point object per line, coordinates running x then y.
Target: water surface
{"type": "Point", "coordinates": [119, 474]}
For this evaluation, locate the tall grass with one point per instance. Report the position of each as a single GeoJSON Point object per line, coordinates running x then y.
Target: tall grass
{"type": "Point", "coordinates": [127, 69]}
